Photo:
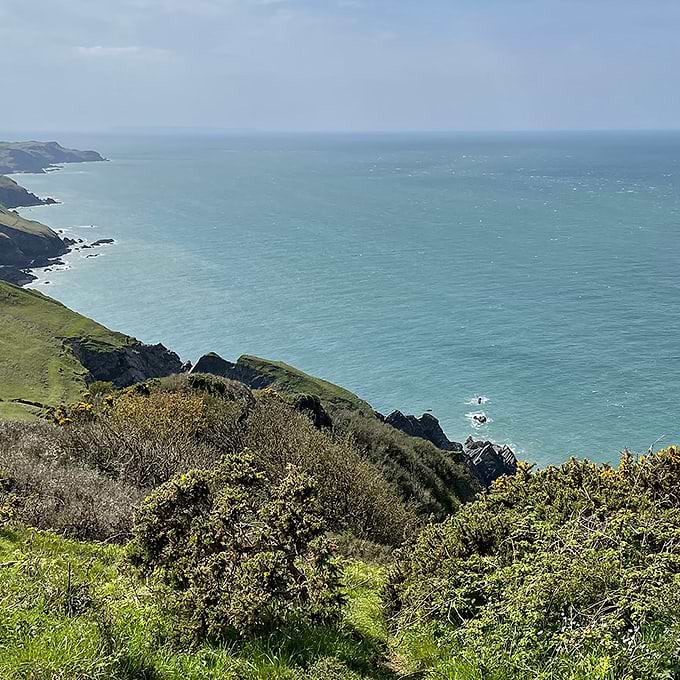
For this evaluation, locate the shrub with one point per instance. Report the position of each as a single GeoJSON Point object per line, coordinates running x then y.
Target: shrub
{"type": "Point", "coordinates": [40, 486]}
{"type": "Point", "coordinates": [237, 553]}
{"type": "Point", "coordinates": [571, 572]}
{"type": "Point", "coordinates": [353, 493]}
{"type": "Point", "coordinates": [142, 438]}
{"type": "Point", "coordinates": [434, 481]}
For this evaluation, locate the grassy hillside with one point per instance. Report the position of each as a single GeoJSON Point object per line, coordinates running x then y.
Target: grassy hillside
{"type": "Point", "coordinates": [11, 220]}
{"type": "Point", "coordinates": [289, 379]}
{"type": "Point", "coordinates": [35, 365]}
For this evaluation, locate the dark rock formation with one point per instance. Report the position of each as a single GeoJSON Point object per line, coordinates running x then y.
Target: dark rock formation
{"type": "Point", "coordinates": [215, 364]}
{"type": "Point", "coordinates": [12, 195]}
{"type": "Point", "coordinates": [311, 406]}
{"type": "Point", "coordinates": [14, 275]}
{"type": "Point", "coordinates": [488, 460]}
{"type": "Point", "coordinates": [124, 366]}
{"type": "Point", "coordinates": [426, 427]}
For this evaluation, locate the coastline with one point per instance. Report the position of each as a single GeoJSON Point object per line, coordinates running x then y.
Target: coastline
{"type": "Point", "coordinates": [29, 247]}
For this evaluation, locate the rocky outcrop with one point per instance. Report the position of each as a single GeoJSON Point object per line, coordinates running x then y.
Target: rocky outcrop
{"type": "Point", "coordinates": [489, 461]}
{"type": "Point", "coordinates": [14, 275]}
{"type": "Point", "coordinates": [38, 156]}
{"type": "Point", "coordinates": [12, 195]}
{"type": "Point", "coordinates": [124, 366]}
{"type": "Point", "coordinates": [311, 406]}
{"type": "Point", "coordinates": [486, 460]}
{"type": "Point", "coordinates": [426, 427]}
{"type": "Point", "coordinates": [216, 365]}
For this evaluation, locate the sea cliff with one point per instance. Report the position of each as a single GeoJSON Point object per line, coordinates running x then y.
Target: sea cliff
{"type": "Point", "coordinates": [26, 244]}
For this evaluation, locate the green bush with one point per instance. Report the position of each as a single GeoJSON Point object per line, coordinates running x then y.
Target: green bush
{"type": "Point", "coordinates": [432, 481]}
{"type": "Point", "coordinates": [572, 572]}
{"type": "Point", "coordinates": [353, 492]}
{"type": "Point", "coordinates": [236, 553]}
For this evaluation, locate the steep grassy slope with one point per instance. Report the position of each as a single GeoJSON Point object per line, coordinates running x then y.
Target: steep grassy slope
{"type": "Point", "coordinates": [260, 373]}
{"type": "Point", "coordinates": [35, 365]}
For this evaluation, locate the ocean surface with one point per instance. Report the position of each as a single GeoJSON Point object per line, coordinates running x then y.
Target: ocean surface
{"type": "Point", "coordinates": [540, 271]}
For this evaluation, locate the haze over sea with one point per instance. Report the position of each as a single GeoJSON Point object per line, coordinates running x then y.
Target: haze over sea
{"type": "Point", "coordinates": [418, 270]}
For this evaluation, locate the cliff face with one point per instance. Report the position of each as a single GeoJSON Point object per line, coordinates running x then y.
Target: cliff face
{"type": "Point", "coordinates": [25, 244]}
{"type": "Point", "coordinates": [37, 156]}
{"type": "Point", "coordinates": [12, 195]}
{"type": "Point", "coordinates": [125, 366]}
{"type": "Point", "coordinates": [426, 427]}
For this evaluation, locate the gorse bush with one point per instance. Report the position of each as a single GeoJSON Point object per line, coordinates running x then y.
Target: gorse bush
{"type": "Point", "coordinates": [130, 441]}
{"type": "Point", "coordinates": [236, 553]}
{"type": "Point", "coordinates": [433, 482]}
{"type": "Point", "coordinates": [353, 493]}
{"type": "Point", "coordinates": [572, 572]}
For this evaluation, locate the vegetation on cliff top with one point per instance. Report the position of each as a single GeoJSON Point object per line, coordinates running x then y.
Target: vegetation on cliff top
{"type": "Point", "coordinates": [258, 372]}
{"type": "Point", "coordinates": [241, 535]}
{"type": "Point", "coordinates": [35, 364]}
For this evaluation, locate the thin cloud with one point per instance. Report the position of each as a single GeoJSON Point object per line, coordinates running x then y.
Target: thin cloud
{"type": "Point", "coordinates": [109, 52]}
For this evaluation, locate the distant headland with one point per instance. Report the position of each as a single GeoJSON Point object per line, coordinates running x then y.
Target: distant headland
{"type": "Point", "coordinates": [26, 244]}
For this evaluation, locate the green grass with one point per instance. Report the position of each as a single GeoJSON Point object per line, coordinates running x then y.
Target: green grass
{"type": "Point", "coordinates": [35, 364]}
{"type": "Point", "coordinates": [13, 221]}
{"type": "Point", "coordinates": [71, 610]}
{"type": "Point", "coordinates": [290, 379]}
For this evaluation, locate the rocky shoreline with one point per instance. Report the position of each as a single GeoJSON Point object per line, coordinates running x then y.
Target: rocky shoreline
{"type": "Point", "coordinates": [27, 245]}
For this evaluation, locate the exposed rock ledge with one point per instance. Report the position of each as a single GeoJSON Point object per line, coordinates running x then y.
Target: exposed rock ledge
{"type": "Point", "coordinates": [487, 460]}
{"type": "Point", "coordinates": [216, 365]}
{"type": "Point", "coordinates": [124, 366]}
{"type": "Point", "coordinates": [425, 427]}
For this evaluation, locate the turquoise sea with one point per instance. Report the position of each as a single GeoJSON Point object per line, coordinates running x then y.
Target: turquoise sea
{"type": "Point", "coordinates": [419, 270]}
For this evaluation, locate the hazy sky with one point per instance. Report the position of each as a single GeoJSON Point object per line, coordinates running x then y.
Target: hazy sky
{"type": "Point", "coordinates": [340, 64]}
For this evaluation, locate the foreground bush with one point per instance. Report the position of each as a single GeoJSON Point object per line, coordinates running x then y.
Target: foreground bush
{"type": "Point", "coordinates": [113, 449]}
{"type": "Point", "coordinates": [236, 553]}
{"type": "Point", "coordinates": [68, 611]}
{"type": "Point", "coordinates": [353, 492]}
{"type": "Point", "coordinates": [572, 572]}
